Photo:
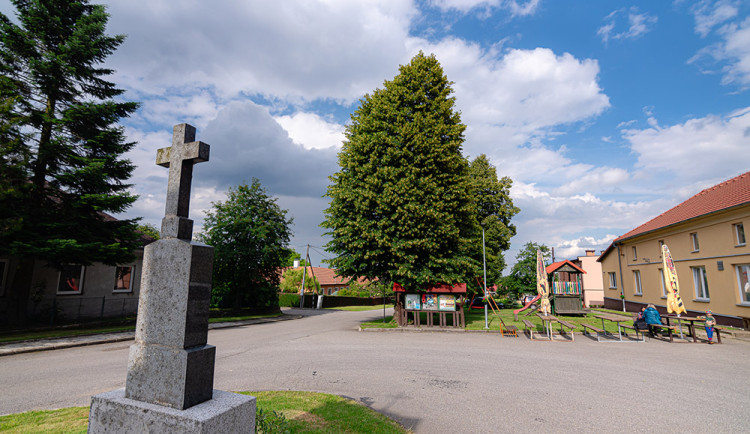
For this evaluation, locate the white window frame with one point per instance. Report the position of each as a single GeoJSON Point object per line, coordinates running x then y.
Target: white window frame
{"type": "Point", "coordinates": [635, 254]}
{"type": "Point", "coordinates": [744, 295]}
{"type": "Point", "coordinates": [637, 282]}
{"type": "Point", "coordinates": [663, 287]}
{"type": "Point", "coordinates": [694, 241]}
{"type": "Point", "coordinates": [115, 289]}
{"type": "Point", "coordinates": [81, 278]}
{"type": "Point", "coordinates": [739, 234]}
{"type": "Point", "coordinates": [700, 283]}
{"type": "Point", "coordinates": [612, 280]}
{"type": "Point", "coordinates": [4, 276]}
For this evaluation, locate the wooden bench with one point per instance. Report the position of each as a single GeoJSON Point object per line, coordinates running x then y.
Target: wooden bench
{"type": "Point", "coordinates": [510, 330]}
{"type": "Point", "coordinates": [598, 331]}
{"type": "Point", "coordinates": [636, 330]}
{"type": "Point", "coordinates": [530, 326]}
{"type": "Point", "coordinates": [717, 330]}
{"type": "Point", "coordinates": [669, 328]}
{"type": "Point", "coordinates": [569, 326]}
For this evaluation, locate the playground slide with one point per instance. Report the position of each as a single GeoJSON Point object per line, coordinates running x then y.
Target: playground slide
{"type": "Point", "coordinates": [515, 312]}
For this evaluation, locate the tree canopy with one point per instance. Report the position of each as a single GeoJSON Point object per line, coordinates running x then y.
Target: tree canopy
{"type": "Point", "coordinates": [250, 235]}
{"type": "Point", "coordinates": [522, 277]}
{"type": "Point", "coordinates": [61, 147]}
{"type": "Point", "coordinates": [494, 211]}
{"type": "Point", "coordinates": [292, 281]}
{"type": "Point", "coordinates": [400, 207]}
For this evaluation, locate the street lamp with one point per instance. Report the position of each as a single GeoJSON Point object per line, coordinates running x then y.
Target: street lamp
{"type": "Point", "coordinates": [484, 267]}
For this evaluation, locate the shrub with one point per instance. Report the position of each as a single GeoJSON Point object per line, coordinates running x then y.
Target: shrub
{"type": "Point", "coordinates": [288, 300]}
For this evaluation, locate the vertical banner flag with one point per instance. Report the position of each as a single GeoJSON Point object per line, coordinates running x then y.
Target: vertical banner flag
{"type": "Point", "coordinates": [671, 285]}
{"type": "Point", "coordinates": [542, 285]}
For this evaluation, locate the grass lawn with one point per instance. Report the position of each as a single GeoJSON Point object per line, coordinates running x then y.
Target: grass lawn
{"type": "Point", "coordinates": [304, 412]}
{"type": "Point", "coordinates": [475, 320]}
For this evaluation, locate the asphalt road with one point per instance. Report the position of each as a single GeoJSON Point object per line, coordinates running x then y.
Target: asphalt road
{"type": "Point", "coordinates": [433, 382]}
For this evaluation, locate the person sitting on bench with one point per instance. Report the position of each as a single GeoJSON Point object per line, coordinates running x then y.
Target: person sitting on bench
{"type": "Point", "coordinates": [640, 321]}
{"type": "Point", "coordinates": [651, 315]}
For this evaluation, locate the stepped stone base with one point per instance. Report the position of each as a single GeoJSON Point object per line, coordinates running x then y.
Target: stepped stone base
{"type": "Point", "coordinates": [112, 412]}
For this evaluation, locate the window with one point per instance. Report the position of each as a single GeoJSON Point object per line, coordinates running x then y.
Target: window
{"type": "Point", "coordinates": [663, 288]}
{"type": "Point", "coordinates": [637, 282]}
{"type": "Point", "coordinates": [742, 282]}
{"type": "Point", "coordinates": [635, 253]}
{"type": "Point", "coordinates": [3, 275]}
{"type": "Point", "coordinates": [739, 233]}
{"type": "Point", "coordinates": [700, 282]}
{"type": "Point", "coordinates": [694, 239]}
{"type": "Point", "coordinates": [612, 280]}
{"type": "Point", "coordinates": [70, 280]}
{"type": "Point", "coordinates": [124, 279]}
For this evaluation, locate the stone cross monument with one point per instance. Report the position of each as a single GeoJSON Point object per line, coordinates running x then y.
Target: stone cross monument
{"type": "Point", "coordinates": [171, 366]}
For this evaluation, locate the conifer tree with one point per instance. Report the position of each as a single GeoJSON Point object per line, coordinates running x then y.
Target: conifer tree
{"type": "Point", "coordinates": [63, 168]}
{"type": "Point", "coordinates": [400, 207]}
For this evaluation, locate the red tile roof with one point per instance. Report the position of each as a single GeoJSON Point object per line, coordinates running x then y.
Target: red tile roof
{"type": "Point", "coordinates": [728, 194]}
{"type": "Point", "coordinates": [551, 268]}
{"type": "Point", "coordinates": [327, 276]}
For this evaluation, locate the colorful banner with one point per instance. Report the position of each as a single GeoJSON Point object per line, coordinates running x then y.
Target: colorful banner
{"type": "Point", "coordinates": [671, 285]}
{"type": "Point", "coordinates": [542, 284]}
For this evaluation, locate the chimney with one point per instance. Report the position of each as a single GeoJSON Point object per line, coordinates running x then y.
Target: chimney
{"type": "Point", "coordinates": [590, 252]}
{"type": "Point", "coordinates": [296, 263]}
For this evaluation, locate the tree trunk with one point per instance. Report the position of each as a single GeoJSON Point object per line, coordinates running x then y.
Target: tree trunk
{"type": "Point", "coordinates": [19, 290]}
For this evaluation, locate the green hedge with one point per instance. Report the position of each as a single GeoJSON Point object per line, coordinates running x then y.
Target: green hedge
{"type": "Point", "coordinates": [288, 300]}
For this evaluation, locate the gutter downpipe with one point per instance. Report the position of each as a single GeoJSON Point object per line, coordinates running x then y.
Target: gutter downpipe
{"type": "Point", "coordinates": [622, 281]}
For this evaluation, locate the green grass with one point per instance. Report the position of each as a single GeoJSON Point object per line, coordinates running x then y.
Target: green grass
{"type": "Point", "coordinates": [360, 308]}
{"type": "Point", "coordinates": [379, 324]}
{"type": "Point", "coordinates": [305, 412]}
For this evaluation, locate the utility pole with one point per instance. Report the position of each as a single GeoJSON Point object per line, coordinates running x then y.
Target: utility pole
{"type": "Point", "coordinates": [304, 273]}
{"type": "Point", "coordinates": [484, 266]}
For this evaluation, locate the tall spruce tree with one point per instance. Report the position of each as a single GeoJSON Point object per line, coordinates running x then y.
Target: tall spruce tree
{"type": "Point", "coordinates": [62, 167]}
{"type": "Point", "coordinates": [400, 207]}
{"type": "Point", "coordinates": [495, 209]}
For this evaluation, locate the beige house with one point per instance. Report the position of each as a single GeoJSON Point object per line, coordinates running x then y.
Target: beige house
{"type": "Point", "coordinates": [593, 290]}
{"type": "Point", "coordinates": [706, 237]}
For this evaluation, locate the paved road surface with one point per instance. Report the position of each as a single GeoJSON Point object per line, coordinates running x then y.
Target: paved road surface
{"type": "Point", "coordinates": [436, 382]}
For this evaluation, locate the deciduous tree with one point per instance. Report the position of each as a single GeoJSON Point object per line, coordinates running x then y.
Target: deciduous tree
{"type": "Point", "coordinates": [400, 206]}
{"type": "Point", "coordinates": [250, 235]}
{"type": "Point", "coordinates": [522, 278]}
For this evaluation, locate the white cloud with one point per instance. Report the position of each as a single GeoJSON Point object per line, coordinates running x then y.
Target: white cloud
{"type": "Point", "coordinates": [638, 25]}
{"type": "Point", "coordinates": [709, 14]}
{"type": "Point", "coordinates": [708, 148]}
{"type": "Point", "coordinates": [516, 8]}
{"type": "Point", "coordinates": [312, 131]}
{"type": "Point", "coordinates": [295, 50]}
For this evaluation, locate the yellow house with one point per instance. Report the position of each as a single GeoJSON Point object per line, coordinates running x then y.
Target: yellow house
{"type": "Point", "coordinates": [706, 237]}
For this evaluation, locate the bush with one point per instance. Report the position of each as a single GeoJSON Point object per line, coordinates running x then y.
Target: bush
{"type": "Point", "coordinates": [270, 422]}
{"type": "Point", "coordinates": [288, 300]}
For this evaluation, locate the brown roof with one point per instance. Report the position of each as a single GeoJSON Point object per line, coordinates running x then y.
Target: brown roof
{"type": "Point", "coordinates": [327, 276]}
{"type": "Point", "coordinates": [728, 194]}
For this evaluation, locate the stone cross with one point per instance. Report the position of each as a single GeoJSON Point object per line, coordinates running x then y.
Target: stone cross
{"type": "Point", "coordinates": [180, 158]}
{"type": "Point", "coordinates": [169, 387]}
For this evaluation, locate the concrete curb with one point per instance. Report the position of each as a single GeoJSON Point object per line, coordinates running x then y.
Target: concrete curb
{"type": "Point", "coordinates": [33, 346]}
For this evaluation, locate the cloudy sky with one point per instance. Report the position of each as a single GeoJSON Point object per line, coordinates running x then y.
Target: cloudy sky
{"type": "Point", "coordinates": [604, 113]}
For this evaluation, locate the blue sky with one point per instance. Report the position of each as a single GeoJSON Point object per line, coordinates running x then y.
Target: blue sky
{"type": "Point", "coordinates": [604, 113]}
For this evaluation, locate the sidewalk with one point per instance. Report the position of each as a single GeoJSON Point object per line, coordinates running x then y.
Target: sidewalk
{"type": "Point", "coordinates": [105, 338]}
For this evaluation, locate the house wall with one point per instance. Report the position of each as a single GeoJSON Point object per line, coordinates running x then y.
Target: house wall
{"type": "Point", "coordinates": [96, 298]}
{"type": "Point", "coordinates": [717, 247]}
{"type": "Point", "coordinates": [593, 291]}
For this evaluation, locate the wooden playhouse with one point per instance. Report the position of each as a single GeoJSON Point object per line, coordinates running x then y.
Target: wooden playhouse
{"type": "Point", "coordinates": [566, 288]}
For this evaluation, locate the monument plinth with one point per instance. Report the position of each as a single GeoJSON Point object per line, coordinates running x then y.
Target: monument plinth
{"type": "Point", "coordinates": [171, 366]}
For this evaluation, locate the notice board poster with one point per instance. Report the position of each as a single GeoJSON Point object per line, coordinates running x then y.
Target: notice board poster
{"type": "Point", "coordinates": [413, 301]}
{"type": "Point", "coordinates": [429, 302]}
{"type": "Point", "coordinates": [447, 302]}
